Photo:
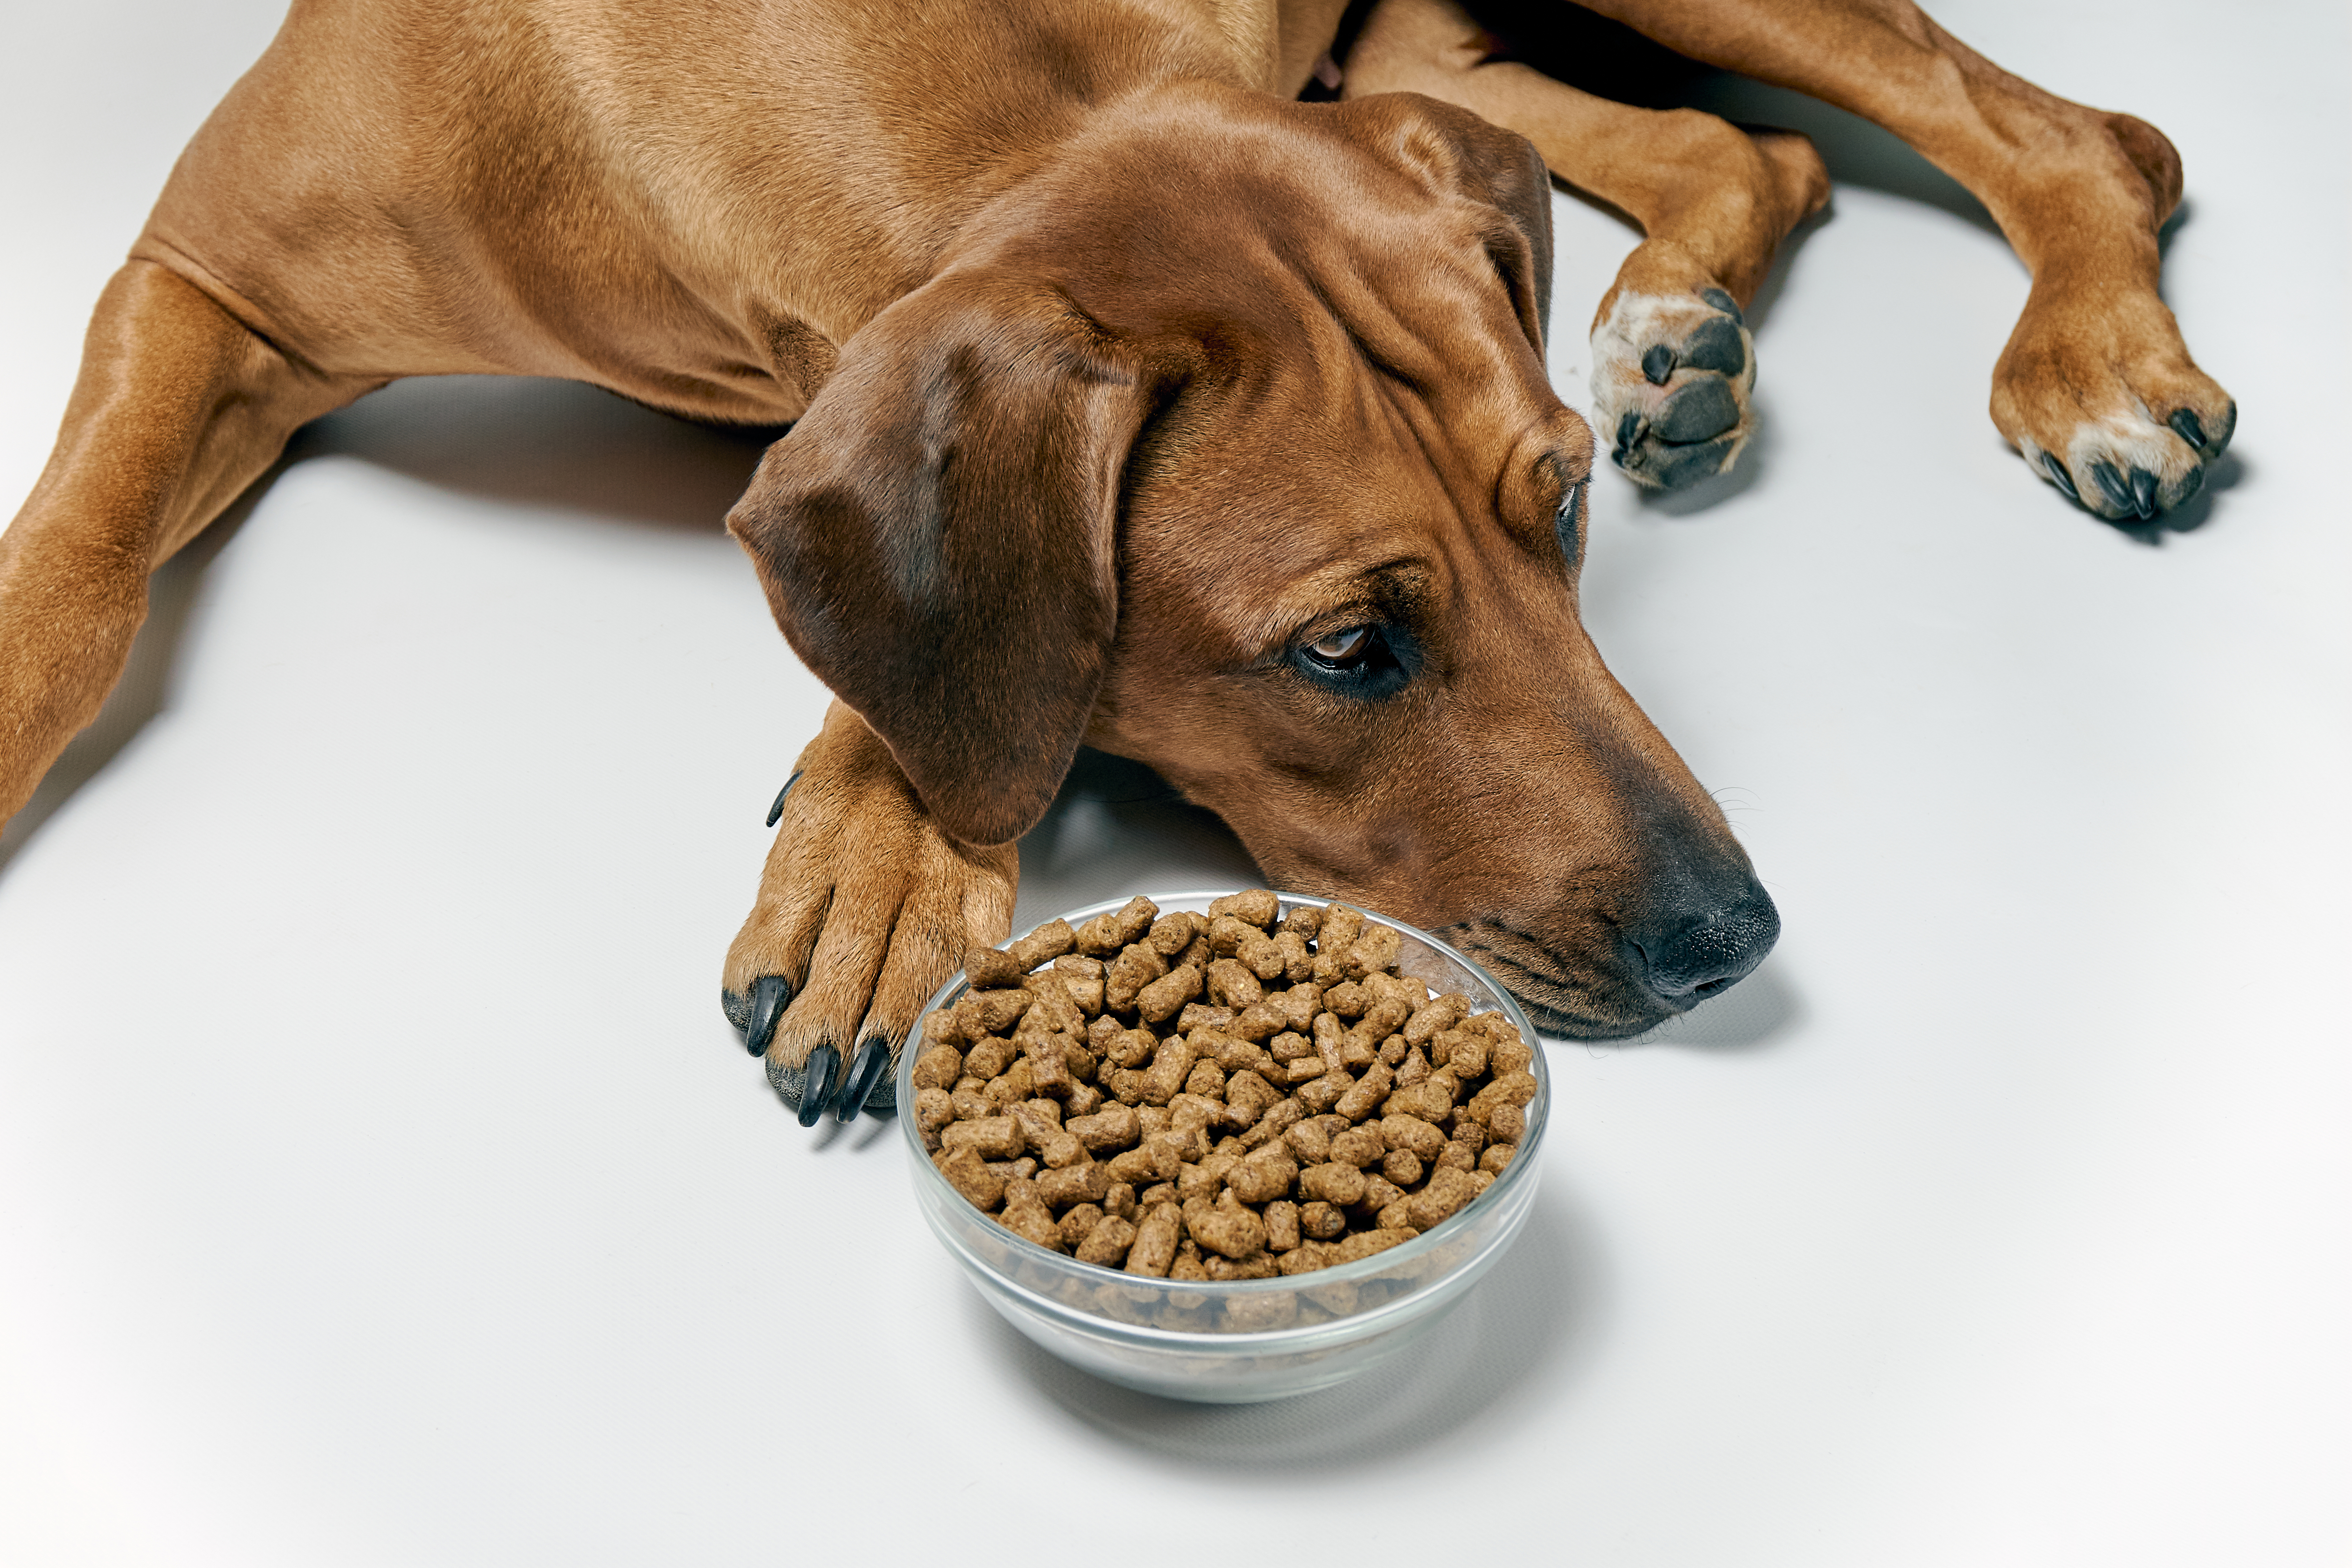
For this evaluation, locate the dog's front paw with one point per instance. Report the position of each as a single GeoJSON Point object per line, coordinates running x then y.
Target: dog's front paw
{"type": "Point", "coordinates": [865, 910]}
{"type": "Point", "coordinates": [2099, 393]}
{"type": "Point", "coordinates": [1672, 375]}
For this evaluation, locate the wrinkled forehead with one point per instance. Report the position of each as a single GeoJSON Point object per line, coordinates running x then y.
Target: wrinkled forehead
{"type": "Point", "coordinates": [1364, 391]}
{"type": "Point", "coordinates": [1420, 388]}
{"type": "Point", "coordinates": [1418, 296]}
{"type": "Point", "coordinates": [1341, 482]}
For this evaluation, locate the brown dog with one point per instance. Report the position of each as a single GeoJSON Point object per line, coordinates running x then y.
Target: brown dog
{"type": "Point", "coordinates": [1138, 404]}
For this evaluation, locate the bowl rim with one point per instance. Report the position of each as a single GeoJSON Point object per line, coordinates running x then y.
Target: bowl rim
{"type": "Point", "coordinates": [1521, 1169]}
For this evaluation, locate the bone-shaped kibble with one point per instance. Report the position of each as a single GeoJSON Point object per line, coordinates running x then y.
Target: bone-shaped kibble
{"type": "Point", "coordinates": [1438, 1014]}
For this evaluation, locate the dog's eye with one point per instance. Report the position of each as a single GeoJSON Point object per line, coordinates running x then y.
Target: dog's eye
{"type": "Point", "coordinates": [1370, 661]}
{"type": "Point", "coordinates": [1342, 649]}
{"type": "Point", "coordinates": [1567, 524]}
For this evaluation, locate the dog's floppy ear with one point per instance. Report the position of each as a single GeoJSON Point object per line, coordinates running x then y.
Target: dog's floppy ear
{"type": "Point", "coordinates": [937, 536]}
{"type": "Point", "coordinates": [1455, 150]}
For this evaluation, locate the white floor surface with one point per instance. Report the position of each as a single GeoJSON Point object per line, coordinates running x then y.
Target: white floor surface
{"type": "Point", "coordinates": [380, 1185]}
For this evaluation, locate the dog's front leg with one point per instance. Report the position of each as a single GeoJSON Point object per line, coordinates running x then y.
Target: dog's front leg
{"type": "Point", "coordinates": [937, 540]}
{"type": "Point", "coordinates": [178, 407]}
{"type": "Point", "coordinates": [866, 909]}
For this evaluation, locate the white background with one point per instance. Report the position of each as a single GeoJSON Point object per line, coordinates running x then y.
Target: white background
{"type": "Point", "coordinates": [379, 1183]}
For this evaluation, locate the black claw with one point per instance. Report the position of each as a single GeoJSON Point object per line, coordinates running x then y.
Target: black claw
{"type": "Point", "coordinates": [1629, 430]}
{"type": "Point", "coordinates": [2185, 426]}
{"type": "Point", "coordinates": [771, 994]}
{"type": "Point", "coordinates": [858, 1083]}
{"type": "Point", "coordinates": [1725, 303]}
{"type": "Point", "coordinates": [2143, 483]}
{"type": "Point", "coordinates": [816, 1088]}
{"type": "Point", "coordinates": [776, 811]}
{"type": "Point", "coordinates": [1657, 363]}
{"type": "Point", "coordinates": [2060, 477]}
{"type": "Point", "coordinates": [2111, 484]}
{"type": "Point", "coordinates": [1716, 346]}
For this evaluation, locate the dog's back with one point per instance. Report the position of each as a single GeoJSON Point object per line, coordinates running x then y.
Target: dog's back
{"type": "Point", "coordinates": [692, 202]}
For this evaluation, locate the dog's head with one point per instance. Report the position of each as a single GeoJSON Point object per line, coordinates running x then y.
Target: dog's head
{"type": "Point", "coordinates": [1227, 445]}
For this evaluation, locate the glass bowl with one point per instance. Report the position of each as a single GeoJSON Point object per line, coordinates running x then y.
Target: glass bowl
{"type": "Point", "coordinates": [1242, 1340]}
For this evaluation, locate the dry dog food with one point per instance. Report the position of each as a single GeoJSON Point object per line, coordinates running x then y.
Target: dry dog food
{"type": "Point", "coordinates": [1227, 1096]}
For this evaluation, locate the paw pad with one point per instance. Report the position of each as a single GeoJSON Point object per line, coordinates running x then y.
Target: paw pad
{"type": "Point", "coordinates": [1671, 378]}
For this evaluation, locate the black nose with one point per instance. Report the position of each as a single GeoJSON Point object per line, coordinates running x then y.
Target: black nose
{"type": "Point", "coordinates": [1687, 956]}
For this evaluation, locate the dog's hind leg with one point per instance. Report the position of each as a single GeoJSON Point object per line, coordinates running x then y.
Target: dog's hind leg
{"type": "Point", "coordinates": [1672, 363]}
{"type": "Point", "coordinates": [2095, 387]}
{"type": "Point", "coordinates": [178, 407]}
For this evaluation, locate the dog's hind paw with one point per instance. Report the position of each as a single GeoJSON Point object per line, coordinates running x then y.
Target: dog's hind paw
{"type": "Point", "coordinates": [866, 909]}
{"type": "Point", "coordinates": [1672, 375]}
{"type": "Point", "coordinates": [2102, 399]}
